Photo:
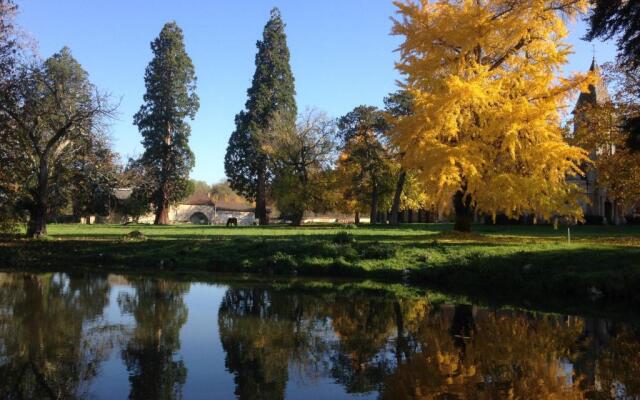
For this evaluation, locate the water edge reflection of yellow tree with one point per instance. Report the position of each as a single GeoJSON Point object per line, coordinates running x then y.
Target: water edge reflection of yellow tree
{"type": "Point", "coordinates": [408, 348]}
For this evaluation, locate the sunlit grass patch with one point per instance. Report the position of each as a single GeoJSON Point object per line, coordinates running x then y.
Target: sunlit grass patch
{"type": "Point", "coordinates": [516, 260]}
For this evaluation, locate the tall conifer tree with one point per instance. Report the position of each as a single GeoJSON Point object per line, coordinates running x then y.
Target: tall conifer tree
{"type": "Point", "coordinates": [270, 107]}
{"type": "Point", "coordinates": [170, 99]}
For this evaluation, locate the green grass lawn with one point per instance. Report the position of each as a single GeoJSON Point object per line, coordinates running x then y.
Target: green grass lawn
{"type": "Point", "coordinates": [531, 262]}
{"type": "Point", "coordinates": [626, 235]}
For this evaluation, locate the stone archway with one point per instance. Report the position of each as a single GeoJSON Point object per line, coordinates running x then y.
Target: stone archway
{"type": "Point", "coordinates": [199, 218]}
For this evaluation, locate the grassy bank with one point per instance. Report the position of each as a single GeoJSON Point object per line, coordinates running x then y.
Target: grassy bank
{"type": "Point", "coordinates": [523, 263]}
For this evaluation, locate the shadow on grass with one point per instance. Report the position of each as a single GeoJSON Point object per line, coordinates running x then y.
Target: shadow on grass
{"type": "Point", "coordinates": [578, 275]}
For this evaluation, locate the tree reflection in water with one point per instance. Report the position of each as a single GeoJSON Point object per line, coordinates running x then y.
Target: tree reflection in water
{"type": "Point", "coordinates": [407, 348]}
{"type": "Point", "coordinates": [261, 332]}
{"type": "Point", "coordinates": [52, 339]}
{"type": "Point", "coordinates": [150, 355]}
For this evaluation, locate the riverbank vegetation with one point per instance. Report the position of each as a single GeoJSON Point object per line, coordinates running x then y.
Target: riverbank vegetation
{"type": "Point", "coordinates": [524, 262]}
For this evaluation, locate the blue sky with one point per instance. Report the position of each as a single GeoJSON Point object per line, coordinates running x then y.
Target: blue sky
{"type": "Point", "coordinates": [341, 55]}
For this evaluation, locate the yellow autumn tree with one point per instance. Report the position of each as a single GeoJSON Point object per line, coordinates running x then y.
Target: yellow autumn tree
{"type": "Point", "coordinates": [486, 131]}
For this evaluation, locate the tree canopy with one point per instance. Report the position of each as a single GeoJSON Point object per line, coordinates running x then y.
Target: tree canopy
{"type": "Point", "coordinates": [485, 129]}
{"type": "Point", "coordinates": [169, 100]}
{"type": "Point", "coordinates": [365, 165]}
{"type": "Point", "coordinates": [271, 102]}
{"type": "Point", "coordinates": [609, 18]}
{"type": "Point", "coordinates": [51, 110]}
{"type": "Point", "coordinates": [302, 159]}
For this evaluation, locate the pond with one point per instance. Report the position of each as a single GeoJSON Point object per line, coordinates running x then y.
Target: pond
{"type": "Point", "coordinates": [114, 337]}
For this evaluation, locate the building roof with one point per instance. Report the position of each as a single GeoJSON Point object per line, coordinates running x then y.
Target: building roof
{"type": "Point", "coordinates": [197, 202]}
{"type": "Point", "coordinates": [122, 193]}
{"type": "Point", "coordinates": [220, 205]}
{"type": "Point", "coordinates": [224, 206]}
{"type": "Point", "coordinates": [125, 193]}
{"type": "Point", "coordinates": [596, 94]}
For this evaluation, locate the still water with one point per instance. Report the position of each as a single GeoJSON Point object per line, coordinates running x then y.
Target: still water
{"type": "Point", "coordinates": [68, 336]}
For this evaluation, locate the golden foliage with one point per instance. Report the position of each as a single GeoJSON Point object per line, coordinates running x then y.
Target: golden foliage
{"type": "Point", "coordinates": [486, 121]}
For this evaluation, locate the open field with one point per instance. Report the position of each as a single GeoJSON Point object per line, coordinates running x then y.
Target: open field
{"type": "Point", "coordinates": [517, 262]}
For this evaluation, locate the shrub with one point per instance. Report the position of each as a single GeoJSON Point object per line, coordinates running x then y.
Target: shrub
{"type": "Point", "coordinates": [281, 262]}
{"type": "Point", "coordinates": [343, 237]}
{"type": "Point", "coordinates": [341, 267]}
{"type": "Point", "coordinates": [134, 236]}
{"type": "Point", "coordinates": [376, 251]}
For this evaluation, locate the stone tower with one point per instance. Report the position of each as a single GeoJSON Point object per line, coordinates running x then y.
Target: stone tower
{"type": "Point", "coordinates": [600, 206]}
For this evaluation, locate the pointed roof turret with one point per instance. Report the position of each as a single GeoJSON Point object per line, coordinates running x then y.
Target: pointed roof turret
{"type": "Point", "coordinates": [597, 93]}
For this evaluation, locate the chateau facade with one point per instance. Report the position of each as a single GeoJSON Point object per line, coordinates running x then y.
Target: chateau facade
{"type": "Point", "coordinates": [600, 207]}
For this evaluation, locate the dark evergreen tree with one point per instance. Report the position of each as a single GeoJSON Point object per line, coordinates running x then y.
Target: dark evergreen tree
{"type": "Point", "coordinates": [270, 106]}
{"type": "Point", "coordinates": [170, 99]}
{"type": "Point", "coordinates": [621, 18]}
{"type": "Point", "coordinates": [365, 151]}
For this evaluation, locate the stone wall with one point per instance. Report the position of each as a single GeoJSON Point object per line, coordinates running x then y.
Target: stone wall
{"type": "Point", "coordinates": [185, 214]}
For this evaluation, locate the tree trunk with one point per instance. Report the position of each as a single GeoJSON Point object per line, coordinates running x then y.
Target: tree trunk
{"type": "Point", "coordinates": [162, 208]}
{"type": "Point", "coordinates": [261, 199]}
{"type": "Point", "coordinates": [374, 205]}
{"type": "Point", "coordinates": [463, 208]}
{"type": "Point", "coordinates": [296, 219]}
{"type": "Point", "coordinates": [162, 215]}
{"type": "Point", "coordinates": [395, 207]}
{"type": "Point", "coordinates": [38, 222]}
{"type": "Point", "coordinates": [401, 340]}
{"type": "Point", "coordinates": [357, 218]}
{"type": "Point", "coordinates": [462, 326]}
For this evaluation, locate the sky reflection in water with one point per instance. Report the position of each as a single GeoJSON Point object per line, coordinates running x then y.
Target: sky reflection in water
{"type": "Point", "coordinates": [108, 336]}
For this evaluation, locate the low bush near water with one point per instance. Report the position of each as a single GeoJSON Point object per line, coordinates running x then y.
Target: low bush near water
{"type": "Point", "coordinates": [343, 237]}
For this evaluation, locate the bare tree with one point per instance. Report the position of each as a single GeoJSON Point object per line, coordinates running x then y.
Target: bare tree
{"type": "Point", "coordinates": [301, 158]}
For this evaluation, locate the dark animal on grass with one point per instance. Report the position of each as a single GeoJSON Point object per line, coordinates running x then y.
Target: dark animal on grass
{"type": "Point", "coordinates": [232, 222]}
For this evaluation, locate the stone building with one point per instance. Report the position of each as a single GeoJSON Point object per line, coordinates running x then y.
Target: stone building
{"type": "Point", "coordinates": [600, 208]}
{"type": "Point", "coordinates": [206, 213]}
{"type": "Point", "coordinates": [198, 210]}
